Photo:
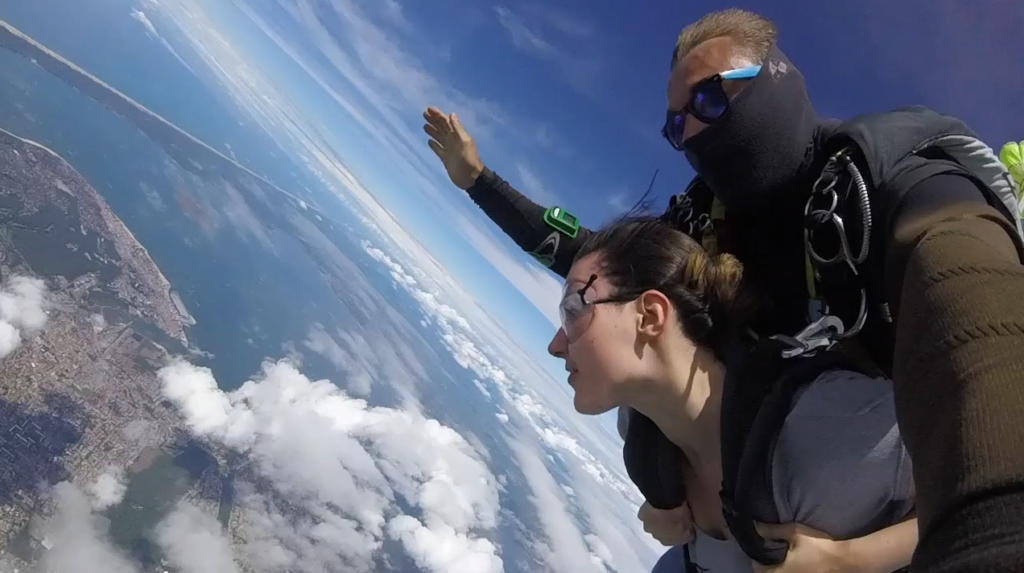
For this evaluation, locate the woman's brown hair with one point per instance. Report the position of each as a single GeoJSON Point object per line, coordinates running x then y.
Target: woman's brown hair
{"type": "Point", "coordinates": [641, 253]}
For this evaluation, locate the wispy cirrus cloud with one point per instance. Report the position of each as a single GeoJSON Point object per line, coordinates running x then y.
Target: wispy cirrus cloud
{"type": "Point", "coordinates": [141, 18]}
{"type": "Point", "coordinates": [533, 187]}
{"type": "Point", "coordinates": [530, 32]}
{"type": "Point", "coordinates": [566, 23]}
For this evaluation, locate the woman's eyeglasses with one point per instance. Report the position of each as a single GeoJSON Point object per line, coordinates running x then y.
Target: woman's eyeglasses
{"type": "Point", "coordinates": [575, 304]}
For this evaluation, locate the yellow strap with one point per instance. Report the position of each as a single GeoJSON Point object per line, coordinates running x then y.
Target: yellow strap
{"type": "Point", "coordinates": [812, 290]}
{"type": "Point", "coordinates": [709, 240]}
{"type": "Point", "coordinates": [717, 211]}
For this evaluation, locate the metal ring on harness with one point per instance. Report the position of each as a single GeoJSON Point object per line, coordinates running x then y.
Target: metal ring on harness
{"type": "Point", "coordinates": [683, 214]}
{"type": "Point", "coordinates": [704, 223]}
{"type": "Point", "coordinates": [844, 254]}
{"type": "Point", "coordinates": [828, 191]}
{"type": "Point", "coordinates": [827, 330]}
{"type": "Point", "coordinates": [830, 179]}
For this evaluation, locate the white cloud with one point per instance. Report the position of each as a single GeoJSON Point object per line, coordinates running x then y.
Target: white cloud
{"type": "Point", "coordinates": [567, 23]}
{"type": "Point", "coordinates": [191, 540]}
{"type": "Point", "coordinates": [533, 187]}
{"type": "Point", "coordinates": [194, 542]}
{"type": "Point", "coordinates": [358, 377]}
{"type": "Point", "coordinates": [538, 285]}
{"type": "Point", "coordinates": [619, 202]}
{"type": "Point", "coordinates": [108, 490]}
{"type": "Point", "coordinates": [339, 465]}
{"type": "Point", "coordinates": [23, 303]}
{"type": "Point", "coordinates": [579, 67]}
{"type": "Point", "coordinates": [394, 13]}
{"type": "Point", "coordinates": [140, 17]}
{"type": "Point", "coordinates": [566, 549]}
{"type": "Point", "coordinates": [523, 36]}
{"type": "Point", "coordinates": [79, 537]}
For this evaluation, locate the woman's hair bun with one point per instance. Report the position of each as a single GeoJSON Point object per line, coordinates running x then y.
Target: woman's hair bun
{"type": "Point", "coordinates": [717, 278]}
{"type": "Point", "coordinates": [722, 279]}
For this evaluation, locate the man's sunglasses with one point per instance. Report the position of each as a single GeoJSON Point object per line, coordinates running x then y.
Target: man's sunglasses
{"type": "Point", "coordinates": [575, 304]}
{"type": "Point", "coordinates": [708, 103]}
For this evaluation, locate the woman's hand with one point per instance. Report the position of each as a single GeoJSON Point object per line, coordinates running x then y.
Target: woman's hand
{"type": "Point", "coordinates": [670, 527]}
{"type": "Point", "coordinates": [810, 551]}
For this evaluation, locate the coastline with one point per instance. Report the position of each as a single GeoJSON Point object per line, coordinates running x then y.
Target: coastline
{"type": "Point", "coordinates": [133, 253]}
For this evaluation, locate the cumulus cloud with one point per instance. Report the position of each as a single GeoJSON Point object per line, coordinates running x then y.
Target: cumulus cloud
{"type": "Point", "coordinates": [23, 302]}
{"type": "Point", "coordinates": [108, 490]}
{"type": "Point", "coordinates": [191, 540]}
{"type": "Point", "coordinates": [194, 542]}
{"type": "Point", "coordinates": [335, 469]}
{"type": "Point", "coordinates": [79, 537]}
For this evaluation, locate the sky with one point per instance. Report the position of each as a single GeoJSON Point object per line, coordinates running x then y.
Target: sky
{"type": "Point", "coordinates": [566, 99]}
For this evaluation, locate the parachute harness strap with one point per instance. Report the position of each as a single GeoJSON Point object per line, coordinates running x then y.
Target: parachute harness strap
{"type": "Point", "coordinates": [822, 215]}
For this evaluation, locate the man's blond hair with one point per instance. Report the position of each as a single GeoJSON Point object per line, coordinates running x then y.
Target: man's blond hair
{"type": "Point", "coordinates": [753, 33]}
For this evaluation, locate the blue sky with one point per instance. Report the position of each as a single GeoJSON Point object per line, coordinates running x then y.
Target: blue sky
{"type": "Point", "coordinates": [566, 98]}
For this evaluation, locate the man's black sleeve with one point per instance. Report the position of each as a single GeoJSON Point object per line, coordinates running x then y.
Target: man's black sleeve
{"type": "Point", "coordinates": [523, 220]}
{"type": "Point", "coordinates": [953, 263]}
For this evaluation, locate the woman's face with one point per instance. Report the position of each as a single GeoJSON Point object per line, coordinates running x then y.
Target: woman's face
{"type": "Point", "coordinates": [598, 339]}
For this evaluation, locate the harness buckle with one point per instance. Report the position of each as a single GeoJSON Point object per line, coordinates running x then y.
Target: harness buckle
{"type": "Point", "coordinates": [820, 334]}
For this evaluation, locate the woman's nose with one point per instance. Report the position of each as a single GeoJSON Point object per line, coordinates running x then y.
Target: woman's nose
{"type": "Point", "coordinates": [559, 344]}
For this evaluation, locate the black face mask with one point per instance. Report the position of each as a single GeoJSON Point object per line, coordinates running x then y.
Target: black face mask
{"type": "Point", "coordinates": [762, 148]}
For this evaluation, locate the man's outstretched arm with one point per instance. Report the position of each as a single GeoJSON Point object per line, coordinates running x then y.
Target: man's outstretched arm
{"type": "Point", "coordinates": [523, 221]}
{"type": "Point", "coordinates": [520, 218]}
{"type": "Point", "coordinates": [954, 266]}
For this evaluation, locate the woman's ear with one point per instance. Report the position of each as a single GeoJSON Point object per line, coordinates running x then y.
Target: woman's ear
{"type": "Point", "coordinates": [653, 313]}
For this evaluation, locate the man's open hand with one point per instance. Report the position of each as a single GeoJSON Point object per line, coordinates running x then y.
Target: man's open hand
{"type": "Point", "coordinates": [810, 551]}
{"type": "Point", "coordinates": [454, 146]}
{"type": "Point", "coordinates": [670, 527]}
